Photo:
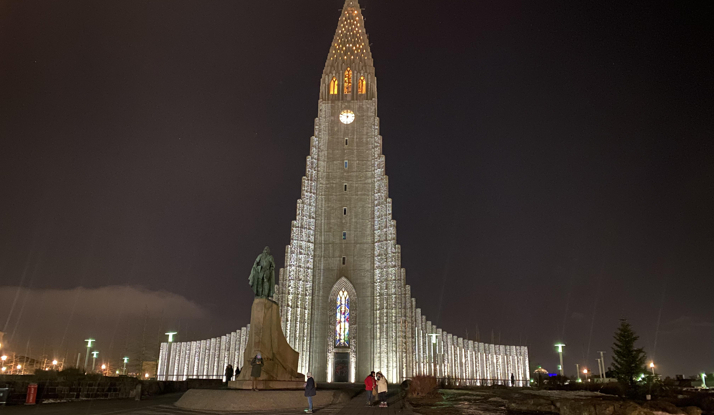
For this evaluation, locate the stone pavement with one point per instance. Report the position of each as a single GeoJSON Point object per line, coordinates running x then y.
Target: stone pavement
{"type": "Point", "coordinates": [163, 405]}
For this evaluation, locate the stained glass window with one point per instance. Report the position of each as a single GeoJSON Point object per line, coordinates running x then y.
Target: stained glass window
{"type": "Point", "coordinates": [342, 325]}
{"type": "Point", "coordinates": [333, 86]}
{"type": "Point", "coordinates": [348, 81]}
{"type": "Point", "coordinates": [362, 85]}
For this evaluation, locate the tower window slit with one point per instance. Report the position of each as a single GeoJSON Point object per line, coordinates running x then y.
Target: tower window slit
{"type": "Point", "coordinates": [345, 187]}
{"type": "Point", "coordinates": [346, 141]}
{"type": "Point", "coordinates": [344, 211]}
{"type": "Point", "coordinates": [344, 235]}
{"type": "Point", "coordinates": [344, 260]}
{"type": "Point", "coordinates": [345, 163]}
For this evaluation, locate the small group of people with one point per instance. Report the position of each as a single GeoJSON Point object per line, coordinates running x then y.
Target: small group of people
{"type": "Point", "coordinates": [376, 386]}
{"type": "Point", "coordinates": [256, 370]}
{"type": "Point", "coordinates": [230, 372]}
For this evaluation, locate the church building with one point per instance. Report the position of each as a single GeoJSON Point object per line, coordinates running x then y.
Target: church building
{"type": "Point", "coordinates": [344, 302]}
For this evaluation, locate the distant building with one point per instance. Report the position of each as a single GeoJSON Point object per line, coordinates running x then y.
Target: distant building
{"type": "Point", "coordinates": [344, 301]}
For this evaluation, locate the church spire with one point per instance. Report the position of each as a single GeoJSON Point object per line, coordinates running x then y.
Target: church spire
{"type": "Point", "coordinates": [349, 70]}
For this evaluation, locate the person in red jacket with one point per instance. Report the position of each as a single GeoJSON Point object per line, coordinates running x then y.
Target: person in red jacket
{"type": "Point", "coordinates": [369, 384]}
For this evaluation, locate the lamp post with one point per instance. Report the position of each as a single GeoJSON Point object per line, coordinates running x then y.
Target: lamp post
{"type": "Point", "coordinates": [577, 372]}
{"type": "Point", "coordinates": [585, 371]}
{"type": "Point", "coordinates": [86, 357]}
{"type": "Point", "coordinates": [171, 335]}
{"type": "Point", "coordinates": [433, 358]}
{"type": "Point", "coordinates": [54, 364]}
{"type": "Point", "coordinates": [126, 360]}
{"type": "Point", "coordinates": [602, 362]}
{"type": "Point", "coordinates": [704, 381]}
{"type": "Point", "coordinates": [652, 367]}
{"type": "Point", "coordinates": [94, 359]}
{"type": "Point", "coordinates": [560, 352]}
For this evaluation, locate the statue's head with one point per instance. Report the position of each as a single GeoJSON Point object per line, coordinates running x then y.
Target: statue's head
{"type": "Point", "coordinates": [266, 250]}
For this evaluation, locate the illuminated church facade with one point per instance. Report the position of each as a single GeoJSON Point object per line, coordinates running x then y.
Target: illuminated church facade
{"type": "Point", "coordinates": [345, 305]}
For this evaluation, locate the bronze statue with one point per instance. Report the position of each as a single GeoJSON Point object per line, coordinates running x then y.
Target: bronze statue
{"type": "Point", "coordinates": [262, 276]}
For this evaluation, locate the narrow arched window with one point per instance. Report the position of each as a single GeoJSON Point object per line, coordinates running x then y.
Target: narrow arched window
{"type": "Point", "coordinates": [333, 86]}
{"type": "Point", "coordinates": [348, 81]}
{"type": "Point", "coordinates": [342, 325]}
{"type": "Point", "coordinates": [362, 85]}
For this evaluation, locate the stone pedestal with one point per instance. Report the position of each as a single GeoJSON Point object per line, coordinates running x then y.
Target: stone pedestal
{"type": "Point", "coordinates": [266, 337]}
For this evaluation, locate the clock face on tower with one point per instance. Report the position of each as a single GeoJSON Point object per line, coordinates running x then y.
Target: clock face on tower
{"type": "Point", "coordinates": [347, 116]}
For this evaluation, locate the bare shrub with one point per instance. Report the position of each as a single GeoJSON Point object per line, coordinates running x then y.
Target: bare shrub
{"type": "Point", "coordinates": [422, 386]}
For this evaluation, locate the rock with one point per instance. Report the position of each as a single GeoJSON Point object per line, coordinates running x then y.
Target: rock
{"type": "Point", "coordinates": [532, 405]}
{"type": "Point", "coordinates": [664, 407]}
{"type": "Point", "coordinates": [631, 408]}
{"type": "Point", "coordinates": [606, 408]}
{"type": "Point", "coordinates": [692, 410]}
{"type": "Point", "coordinates": [577, 407]}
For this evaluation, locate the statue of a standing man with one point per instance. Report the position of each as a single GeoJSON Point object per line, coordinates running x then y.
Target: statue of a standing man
{"type": "Point", "coordinates": [262, 276]}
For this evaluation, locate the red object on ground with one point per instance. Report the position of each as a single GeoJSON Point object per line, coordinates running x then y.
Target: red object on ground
{"type": "Point", "coordinates": [31, 394]}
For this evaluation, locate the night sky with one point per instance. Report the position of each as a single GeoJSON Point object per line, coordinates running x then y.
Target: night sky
{"type": "Point", "coordinates": [551, 166]}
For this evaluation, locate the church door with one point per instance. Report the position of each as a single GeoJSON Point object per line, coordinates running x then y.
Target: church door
{"type": "Point", "coordinates": [342, 367]}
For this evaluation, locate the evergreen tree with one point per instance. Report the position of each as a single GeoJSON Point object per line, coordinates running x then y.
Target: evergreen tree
{"type": "Point", "coordinates": [628, 362]}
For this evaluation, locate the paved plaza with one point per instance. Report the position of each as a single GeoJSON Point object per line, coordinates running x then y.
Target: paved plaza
{"type": "Point", "coordinates": [163, 405]}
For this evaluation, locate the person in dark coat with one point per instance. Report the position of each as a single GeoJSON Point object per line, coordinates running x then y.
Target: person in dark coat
{"type": "Point", "coordinates": [229, 373]}
{"type": "Point", "coordinates": [310, 391]}
{"type": "Point", "coordinates": [256, 370]}
{"type": "Point", "coordinates": [513, 380]}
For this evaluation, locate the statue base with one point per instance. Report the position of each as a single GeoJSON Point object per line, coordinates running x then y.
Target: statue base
{"type": "Point", "coordinates": [266, 337]}
{"type": "Point", "coordinates": [268, 384]}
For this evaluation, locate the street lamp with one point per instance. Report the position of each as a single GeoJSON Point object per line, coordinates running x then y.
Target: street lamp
{"type": "Point", "coordinates": [560, 352]}
{"type": "Point", "coordinates": [602, 362]}
{"type": "Point", "coordinates": [86, 356]}
{"type": "Point", "coordinates": [94, 359]}
{"type": "Point", "coordinates": [704, 381]}
{"type": "Point", "coordinates": [577, 372]}
{"type": "Point", "coordinates": [652, 367]}
{"type": "Point", "coordinates": [171, 335]}
{"type": "Point", "coordinates": [126, 360]}
{"type": "Point", "coordinates": [585, 371]}
{"type": "Point", "coordinates": [434, 347]}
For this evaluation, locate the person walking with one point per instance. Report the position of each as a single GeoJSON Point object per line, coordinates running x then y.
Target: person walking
{"type": "Point", "coordinates": [310, 391]}
{"type": "Point", "coordinates": [513, 380]}
{"type": "Point", "coordinates": [382, 389]}
{"type": "Point", "coordinates": [229, 373]}
{"type": "Point", "coordinates": [369, 386]}
{"type": "Point", "coordinates": [255, 371]}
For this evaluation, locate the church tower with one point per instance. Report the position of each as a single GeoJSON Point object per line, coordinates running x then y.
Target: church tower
{"type": "Point", "coordinates": [339, 291]}
{"type": "Point", "coordinates": [344, 302]}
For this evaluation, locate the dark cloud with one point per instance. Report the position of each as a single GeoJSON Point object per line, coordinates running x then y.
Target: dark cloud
{"type": "Point", "coordinates": [56, 321]}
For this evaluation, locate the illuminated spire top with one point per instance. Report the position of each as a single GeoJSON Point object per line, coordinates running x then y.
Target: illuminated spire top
{"type": "Point", "coordinates": [349, 71]}
{"type": "Point", "coordinates": [350, 47]}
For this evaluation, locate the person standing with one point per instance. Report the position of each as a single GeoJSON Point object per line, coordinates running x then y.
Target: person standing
{"type": "Point", "coordinates": [382, 389]}
{"type": "Point", "coordinates": [513, 380]}
{"type": "Point", "coordinates": [255, 371]}
{"type": "Point", "coordinates": [310, 391]}
{"type": "Point", "coordinates": [229, 373]}
{"type": "Point", "coordinates": [369, 386]}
